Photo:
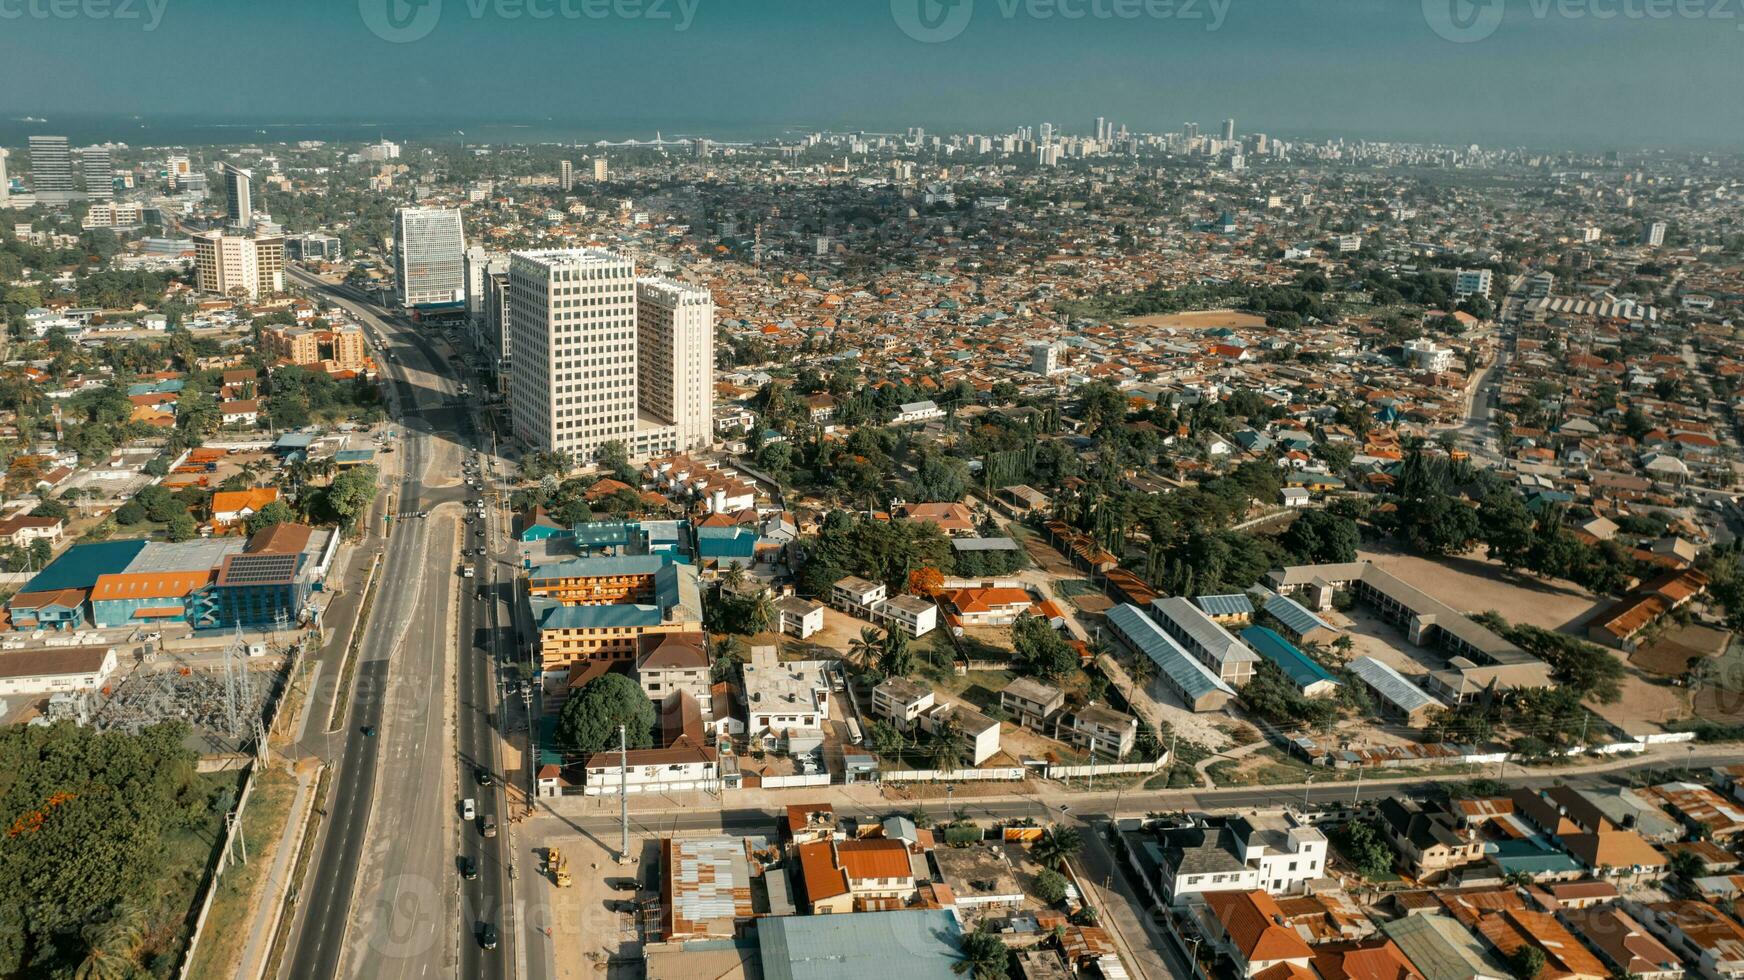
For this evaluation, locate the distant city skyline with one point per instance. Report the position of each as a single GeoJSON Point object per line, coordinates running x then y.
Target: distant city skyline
{"type": "Point", "coordinates": [1368, 69]}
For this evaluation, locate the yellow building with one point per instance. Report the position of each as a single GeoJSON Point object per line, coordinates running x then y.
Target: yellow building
{"type": "Point", "coordinates": [595, 609]}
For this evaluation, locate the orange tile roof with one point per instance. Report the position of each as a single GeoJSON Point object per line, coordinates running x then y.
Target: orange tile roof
{"type": "Point", "coordinates": [863, 859]}
{"type": "Point", "coordinates": [984, 600]}
{"type": "Point", "coordinates": [1251, 920]}
{"type": "Point", "coordinates": [235, 501]}
{"type": "Point", "coordinates": [148, 585]}
{"type": "Point", "coordinates": [817, 865]}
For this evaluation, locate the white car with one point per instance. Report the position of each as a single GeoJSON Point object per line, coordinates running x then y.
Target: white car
{"type": "Point", "coordinates": [469, 809]}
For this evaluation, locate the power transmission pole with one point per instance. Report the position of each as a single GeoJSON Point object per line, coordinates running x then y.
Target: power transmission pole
{"type": "Point", "coordinates": [623, 796]}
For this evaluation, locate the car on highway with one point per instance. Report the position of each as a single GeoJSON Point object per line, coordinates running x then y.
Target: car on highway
{"type": "Point", "coordinates": [368, 731]}
{"type": "Point", "coordinates": [469, 809]}
{"type": "Point", "coordinates": [489, 825]}
{"type": "Point", "coordinates": [487, 936]}
{"type": "Point", "coordinates": [468, 868]}
{"type": "Point", "coordinates": [483, 776]}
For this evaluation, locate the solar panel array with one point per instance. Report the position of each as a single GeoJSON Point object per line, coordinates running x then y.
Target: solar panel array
{"type": "Point", "coordinates": [260, 569]}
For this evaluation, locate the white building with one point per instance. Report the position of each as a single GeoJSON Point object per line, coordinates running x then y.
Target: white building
{"type": "Point", "coordinates": [99, 174]}
{"type": "Point", "coordinates": [1655, 237]}
{"type": "Point", "coordinates": [53, 669]}
{"type": "Point", "coordinates": [429, 258]}
{"type": "Point", "coordinates": [5, 182]}
{"type": "Point", "coordinates": [681, 768]}
{"type": "Point", "coordinates": [601, 170]}
{"type": "Point", "coordinates": [917, 412]}
{"type": "Point", "coordinates": [232, 265]}
{"type": "Point", "coordinates": [675, 326]}
{"type": "Point", "coordinates": [800, 619]}
{"type": "Point", "coordinates": [1473, 282]}
{"type": "Point", "coordinates": [51, 170]}
{"type": "Point", "coordinates": [787, 704]}
{"type": "Point", "coordinates": [1046, 359]}
{"type": "Point", "coordinates": [565, 174]}
{"type": "Point", "coordinates": [1425, 355]}
{"type": "Point", "coordinates": [573, 374]}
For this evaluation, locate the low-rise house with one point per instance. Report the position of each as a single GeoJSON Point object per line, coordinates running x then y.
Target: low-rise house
{"type": "Point", "coordinates": [1272, 852]}
{"type": "Point", "coordinates": [1031, 703]}
{"type": "Point", "coordinates": [841, 876]}
{"type": "Point", "coordinates": [1430, 842]}
{"type": "Point", "coordinates": [1313, 680]}
{"type": "Point", "coordinates": [1624, 944]}
{"type": "Point", "coordinates": [1246, 926]}
{"type": "Point", "coordinates": [1100, 731]}
{"type": "Point", "coordinates": [901, 702]}
{"type": "Point", "coordinates": [954, 519]}
{"type": "Point", "coordinates": [1372, 959]}
{"type": "Point", "coordinates": [987, 607]}
{"type": "Point", "coordinates": [911, 614]}
{"type": "Point", "coordinates": [1178, 671]}
{"type": "Point", "coordinates": [670, 662]}
{"type": "Point", "coordinates": [21, 529]}
{"type": "Point", "coordinates": [1698, 931]}
{"type": "Point", "coordinates": [800, 619]}
{"type": "Point", "coordinates": [857, 597]}
{"type": "Point", "coordinates": [1702, 809]}
{"type": "Point", "coordinates": [786, 704]}
{"type": "Point", "coordinates": [232, 507]}
{"type": "Point", "coordinates": [1394, 694]}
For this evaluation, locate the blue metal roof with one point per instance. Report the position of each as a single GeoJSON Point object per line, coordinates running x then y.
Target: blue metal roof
{"type": "Point", "coordinates": [1192, 678]}
{"type": "Point", "coordinates": [1298, 666]}
{"type": "Point", "coordinates": [914, 944]}
{"type": "Point", "coordinates": [1297, 618]}
{"type": "Point", "coordinates": [599, 617]}
{"type": "Point", "coordinates": [599, 567]}
{"type": "Point", "coordinates": [726, 542]}
{"type": "Point", "coordinates": [80, 566]}
{"type": "Point", "coordinates": [1226, 605]}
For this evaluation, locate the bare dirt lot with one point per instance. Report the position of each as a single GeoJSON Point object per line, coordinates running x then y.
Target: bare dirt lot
{"type": "Point", "coordinates": [1204, 320]}
{"type": "Point", "coordinates": [1475, 584]}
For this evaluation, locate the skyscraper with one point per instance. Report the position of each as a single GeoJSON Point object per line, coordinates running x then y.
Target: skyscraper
{"type": "Point", "coordinates": [1229, 131]}
{"type": "Point", "coordinates": [575, 358]}
{"type": "Point", "coordinates": [565, 174]}
{"type": "Point", "coordinates": [1047, 134]}
{"type": "Point", "coordinates": [99, 175]}
{"type": "Point", "coordinates": [675, 350]}
{"type": "Point", "coordinates": [239, 189]}
{"type": "Point", "coordinates": [1101, 129]}
{"type": "Point", "coordinates": [239, 265]}
{"type": "Point", "coordinates": [51, 170]}
{"type": "Point", "coordinates": [5, 182]}
{"type": "Point", "coordinates": [1655, 237]}
{"type": "Point", "coordinates": [430, 258]}
{"type": "Point", "coordinates": [601, 170]}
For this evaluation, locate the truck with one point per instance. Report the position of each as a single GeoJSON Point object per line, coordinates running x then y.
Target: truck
{"type": "Point", "coordinates": [559, 866]}
{"type": "Point", "coordinates": [467, 571]}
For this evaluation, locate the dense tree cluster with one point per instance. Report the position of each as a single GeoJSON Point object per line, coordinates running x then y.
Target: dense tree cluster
{"type": "Point", "coordinates": [86, 817]}
{"type": "Point", "coordinates": [590, 719]}
{"type": "Point", "coordinates": [880, 551]}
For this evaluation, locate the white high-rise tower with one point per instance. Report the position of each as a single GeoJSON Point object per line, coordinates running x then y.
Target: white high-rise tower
{"type": "Point", "coordinates": [239, 189]}
{"type": "Point", "coordinates": [675, 326]}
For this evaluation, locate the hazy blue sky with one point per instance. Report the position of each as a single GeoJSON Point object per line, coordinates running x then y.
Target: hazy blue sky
{"type": "Point", "coordinates": [1370, 68]}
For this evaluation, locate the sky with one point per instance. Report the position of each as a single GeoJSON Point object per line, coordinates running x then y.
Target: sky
{"type": "Point", "coordinates": [1540, 73]}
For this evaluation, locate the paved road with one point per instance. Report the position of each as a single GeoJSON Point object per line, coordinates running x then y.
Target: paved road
{"type": "Point", "coordinates": [411, 912]}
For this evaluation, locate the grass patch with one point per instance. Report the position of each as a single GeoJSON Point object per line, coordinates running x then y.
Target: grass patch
{"type": "Point", "coordinates": [305, 853]}
{"type": "Point", "coordinates": [227, 925]}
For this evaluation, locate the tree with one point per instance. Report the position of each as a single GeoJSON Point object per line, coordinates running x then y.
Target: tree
{"type": "Point", "coordinates": [1527, 962]}
{"type": "Point", "coordinates": [984, 954]}
{"type": "Point", "coordinates": [277, 512]}
{"type": "Point", "coordinates": [895, 658]}
{"type": "Point", "coordinates": [729, 655]}
{"type": "Point", "coordinates": [761, 615]}
{"type": "Point", "coordinates": [1050, 886]}
{"type": "Point", "coordinates": [1321, 537]}
{"type": "Point", "coordinates": [1364, 846]}
{"type": "Point", "coordinates": [940, 479]}
{"type": "Point", "coordinates": [885, 739]}
{"type": "Point", "coordinates": [350, 494]}
{"type": "Point", "coordinates": [949, 747]}
{"type": "Point", "coordinates": [589, 721]}
{"type": "Point", "coordinates": [864, 646]}
{"type": "Point", "coordinates": [181, 527]}
{"type": "Point", "coordinates": [1039, 648]}
{"type": "Point", "coordinates": [1055, 845]}
{"type": "Point", "coordinates": [1687, 865]}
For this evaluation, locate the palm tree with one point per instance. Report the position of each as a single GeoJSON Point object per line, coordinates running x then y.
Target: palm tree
{"type": "Point", "coordinates": [1142, 670]}
{"type": "Point", "coordinates": [113, 947]}
{"type": "Point", "coordinates": [762, 614]}
{"type": "Point", "coordinates": [733, 577]}
{"type": "Point", "coordinates": [896, 659]}
{"type": "Point", "coordinates": [1056, 844]}
{"type": "Point", "coordinates": [863, 646]}
{"type": "Point", "coordinates": [729, 654]}
{"type": "Point", "coordinates": [984, 955]}
{"type": "Point", "coordinates": [948, 747]}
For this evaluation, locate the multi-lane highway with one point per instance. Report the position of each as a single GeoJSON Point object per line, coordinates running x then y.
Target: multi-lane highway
{"type": "Point", "coordinates": [385, 896]}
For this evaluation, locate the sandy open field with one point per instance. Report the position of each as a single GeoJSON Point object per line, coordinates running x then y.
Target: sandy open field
{"type": "Point", "coordinates": [1205, 320]}
{"type": "Point", "coordinates": [1475, 584]}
